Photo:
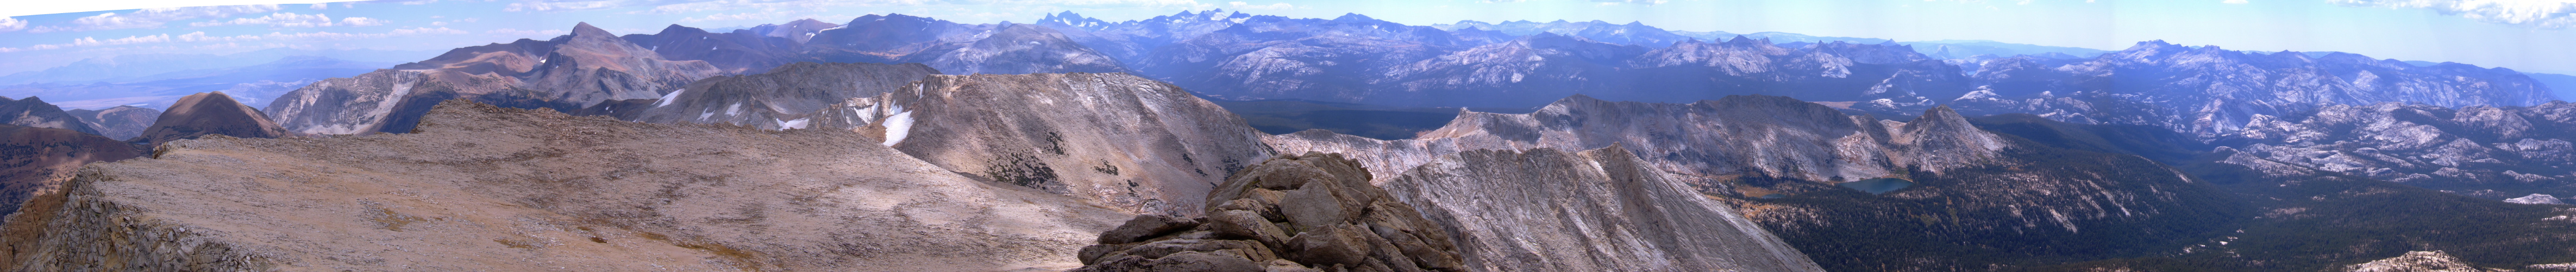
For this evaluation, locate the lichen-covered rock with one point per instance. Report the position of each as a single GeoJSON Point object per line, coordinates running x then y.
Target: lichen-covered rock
{"type": "Point", "coordinates": [1291, 213]}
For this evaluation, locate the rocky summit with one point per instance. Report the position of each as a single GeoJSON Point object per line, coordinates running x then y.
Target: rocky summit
{"type": "Point", "coordinates": [201, 114]}
{"type": "Point", "coordinates": [1549, 210]}
{"type": "Point", "coordinates": [481, 187]}
{"type": "Point", "coordinates": [1312, 212]}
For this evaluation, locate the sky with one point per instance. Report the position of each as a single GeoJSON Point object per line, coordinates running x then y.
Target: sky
{"type": "Point", "coordinates": [2526, 35]}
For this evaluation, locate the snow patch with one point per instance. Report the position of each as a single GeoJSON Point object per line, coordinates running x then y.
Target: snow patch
{"type": "Point", "coordinates": [666, 98]}
{"type": "Point", "coordinates": [799, 123]}
{"type": "Point", "coordinates": [735, 109]}
{"type": "Point", "coordinates": [897, 126]}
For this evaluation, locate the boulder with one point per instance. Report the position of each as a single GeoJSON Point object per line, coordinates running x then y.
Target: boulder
{"type": "Point", "coordinates": [1312, 212]}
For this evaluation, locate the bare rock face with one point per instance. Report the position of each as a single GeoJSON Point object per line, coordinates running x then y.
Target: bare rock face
{"type": "Point", "coordinates": [1132, 143]}
{"type": "Point", "coordinates": [40, 159]}
{"type": "Point", "coordinates": [779, 99]}
{"type": "Point", "coordinates": [481, 187]}
{"type": "Point", "coordinates": [1758, 135]}
{"type": "Point", "coordinates": [2417, 261]}
{"type": "Point", "coordinates": [201, 114]}
{"type": "Point", "coordinates": [120, 122]}
{"type": "Point", "coordinates": [1549, 210]}
{"type": "Point", "coordinates": [569, 72]}
{"type": "Point", "coordinates": [1312, 212]}
{"type": "Point", "coordinates": [34, 112]}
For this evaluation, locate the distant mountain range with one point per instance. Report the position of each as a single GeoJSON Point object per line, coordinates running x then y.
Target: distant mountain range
{"type": "Point", "coordinates": [1643, 149]}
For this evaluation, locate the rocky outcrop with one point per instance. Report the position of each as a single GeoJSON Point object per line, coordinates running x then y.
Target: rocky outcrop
{"type": "Point", "coordinates": [482, 187]}
{"type": "Point", "coordinates": [1599, 210]}
{"type": "Point", "coordinates": [120, 122]}
{"type": "Point", "coordinates": [34, 112]}
{"type": "Point", "coordinates": [569, 72]}
{"type": "Point", "coordinates": [1796, 139]}
{"type": "Point", "coordinates": [1132, 143]}
{"type": "Point", "coordinates": [201, 114]}
{"type": "Point", "coordinates": [1312, 212]}
{"type": "Point", "coordinates": [40, 159]}
{"type": "Point", "coordinates": [2416, 261]}
{"type": "Point", "coordinates": [779, 99]}
{"type": "Point", "coordinates": [2536, 199]}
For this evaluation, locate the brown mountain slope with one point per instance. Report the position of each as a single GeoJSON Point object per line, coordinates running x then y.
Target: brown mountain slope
{"type": "Point", "coordinates": [482, 188]}
{"type": "Point", "coordinates": [201, 114]}
{"type": "Point", "coordinates": [36, 160]}
{"type": "Point", "coordinates": [34, 112]}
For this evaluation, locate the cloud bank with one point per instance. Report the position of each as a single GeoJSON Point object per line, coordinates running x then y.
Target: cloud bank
{"type": "Point", "coordinates": [2552, 14]}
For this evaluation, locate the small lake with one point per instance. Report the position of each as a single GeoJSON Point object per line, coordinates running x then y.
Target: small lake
{"type": "Point", "coordinates": [1878, 185]}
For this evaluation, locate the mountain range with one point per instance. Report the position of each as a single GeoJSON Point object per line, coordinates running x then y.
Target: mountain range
{"type": "Point", "coordinates": [896, 139]}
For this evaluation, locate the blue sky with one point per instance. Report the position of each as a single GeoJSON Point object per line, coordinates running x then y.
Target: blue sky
{"type": "Point", "coordinates": [2528, 35]}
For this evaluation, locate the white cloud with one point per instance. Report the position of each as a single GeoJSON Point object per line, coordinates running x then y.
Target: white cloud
{"type": "Point", "coordinates": [438, 23]}
{"type": "Point", "coordinates": [200, 36]}
{"type": "Point", "coordinates": [2536, 13]}
{"type": "Point", "coordinates": [12, 24]}
{"type": "Point", "coordinates": [542, 6]}
{"type": "Point", "coordinates": [281, 19]}
{"type": "Point", "coordinates": [154, 17]}
{"type": "Point", "coordinates": [319, 6]}
{"type": "Point", "coordinates": [1272, 6]}
{"type": "Point", "coordinates": [361, 21]}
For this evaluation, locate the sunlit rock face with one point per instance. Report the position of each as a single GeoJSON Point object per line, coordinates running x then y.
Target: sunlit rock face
{"type": "Point", "coordinates": [1599, 210]}
{"type": "Point", "coordinates": [1132, 143]}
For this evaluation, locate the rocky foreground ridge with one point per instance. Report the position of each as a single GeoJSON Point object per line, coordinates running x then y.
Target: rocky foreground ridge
{"type": "Point", "coordinates": [481, 187]}
{"type": "Point", "coordinates": [1312, 212]}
